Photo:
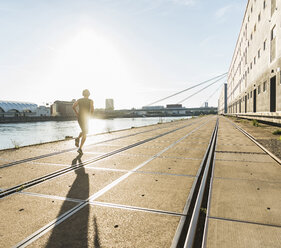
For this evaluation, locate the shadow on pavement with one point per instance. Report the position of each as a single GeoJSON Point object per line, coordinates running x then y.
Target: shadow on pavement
{"type": "Point", "coordinates": [73, 232]}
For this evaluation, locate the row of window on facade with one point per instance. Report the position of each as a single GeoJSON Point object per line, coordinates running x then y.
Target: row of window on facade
{"type": "Point", "coordinates": [272, 37]}
{"type": "Point", "coordinates": [273, 8]}
{"type": "Point", "coordinates": [261, 88]}
{"type": "Point", "coordinates": [273, 33]}
{"type": "Point", "coordinates": [249, 95]}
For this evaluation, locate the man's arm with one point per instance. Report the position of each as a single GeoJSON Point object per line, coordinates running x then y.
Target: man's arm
{"type": "Point", "coordinates": [92, 107]}
{"type": "Point", "coordinates": [74, 107]}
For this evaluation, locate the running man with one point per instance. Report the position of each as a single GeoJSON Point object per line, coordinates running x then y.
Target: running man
{"type": "Point", "coordinates": [85, 110]}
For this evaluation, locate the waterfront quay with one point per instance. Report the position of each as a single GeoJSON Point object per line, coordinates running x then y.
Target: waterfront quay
{"type": "Point", "coordinates": [202, 181]}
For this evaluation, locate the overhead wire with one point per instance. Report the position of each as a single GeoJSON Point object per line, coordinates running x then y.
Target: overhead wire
{"type": "Point", "coordinates": [201, 90]}
{"type": "Point", "coordinates": [213, 93]}
{"type": "Point", "coordinates": [192, 87]}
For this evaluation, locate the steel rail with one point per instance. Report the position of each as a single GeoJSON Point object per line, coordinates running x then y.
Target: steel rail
{"type": "Point", "coordinates": [183, 226]}
{"type": "Point", "coordinates": [33, 182]}
{"type": "Point", "coordinates": [40, 232]}
{"type": "Point", "coordinates": [204, 242]}
{"type": "Point", "coordinates": [256, 142]}
{"type": "Point", "coordinates": [195, 216]}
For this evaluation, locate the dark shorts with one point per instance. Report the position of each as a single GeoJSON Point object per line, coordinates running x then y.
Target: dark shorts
{"type": "Point", "coordinates": [83, 123]}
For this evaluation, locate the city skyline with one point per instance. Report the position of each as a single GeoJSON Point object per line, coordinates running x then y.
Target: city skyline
{"type": "Point", "coordinates": [133, 52]}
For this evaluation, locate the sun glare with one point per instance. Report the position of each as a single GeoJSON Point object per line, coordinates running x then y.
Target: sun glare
{"type": "Point", "coordinates": [90, 60]}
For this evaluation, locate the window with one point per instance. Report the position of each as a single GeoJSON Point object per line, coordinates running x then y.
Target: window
{"type": "Point", "coordinates": [248, 96]}
{"type": "Point", "coordinates": [248, 43]}
{"type": "Point", "coordinates": [251, 65]}
{"type": "Point", "coordinates": [251, 94]}
{"type": "Point", "coordinates": [264, 86]}
{"type": "Point", "coordinates": [255, 28]}
{"type": "Point", "coordinates": [264, 4]}
{"type": "Point", "coordinates": [273, 6]}
{"type": "Point", "coordinates": [259, 17]}
{"type": "Point", "coordinates": [259, 89]}
{"type": "Point", "coordinates": [251, 36]}
{"type": "Point", "coordinates": [254, 60]}
{"type": "Point", "coordinates": [273, 32]}
{"type": "Point", "coordinates": [259, 53]}
{"type": "Point", "coordinates": [264, 45]}
{"type": "Point", "coordinates": [251, 8]}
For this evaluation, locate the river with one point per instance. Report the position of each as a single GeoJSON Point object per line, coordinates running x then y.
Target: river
{"type": "Point", "coordinates": [21, 134]}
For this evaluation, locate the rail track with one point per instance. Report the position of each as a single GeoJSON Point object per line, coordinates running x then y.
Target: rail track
{"type": "Point", "coordinates": [74, 149]}
{"type": "Point", "coordinates": [193, 224]}
{"type": "Point", "coordinates": [20, 187]}
{"type": "Point", "coordinates": [92, 199]}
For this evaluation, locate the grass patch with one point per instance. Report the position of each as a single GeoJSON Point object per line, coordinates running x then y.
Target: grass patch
{"type": "Point", "coordinates": [15, 144]}
{"type": "Point", "coordinates": [255, 123]}
{"type": "Point", "coordinates": [277, 132]}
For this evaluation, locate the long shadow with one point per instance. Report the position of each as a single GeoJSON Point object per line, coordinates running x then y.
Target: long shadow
{"type": "Point", "coordinates": [73, 232]}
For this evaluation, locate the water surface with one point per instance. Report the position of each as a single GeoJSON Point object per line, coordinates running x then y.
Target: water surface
{"type": "Point", "coordinates": [22, 134]}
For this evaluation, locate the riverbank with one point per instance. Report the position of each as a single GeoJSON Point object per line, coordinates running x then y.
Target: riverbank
{"type": "Point", "coordinates": [14, 135]}
{"type": "Point", "coordinates": [28, 119]}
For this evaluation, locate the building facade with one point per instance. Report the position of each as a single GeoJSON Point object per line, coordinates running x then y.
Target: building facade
{"type": "Point", "coordinates": [109, 104]}
{"type": "Point", "coordinates": [254, 80]}
{"type": "Point", "coordinates": [43, 111]}
{"type": "Point", "coordinates": [62, 108]}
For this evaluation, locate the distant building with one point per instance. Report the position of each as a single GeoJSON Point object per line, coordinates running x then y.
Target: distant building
{"type": "Point", "coordinates": [222, 103]}
{"type": "Point", "coordinates": [109, 104]}
{"type": "Point", "coordinates": [62, 108]}
{"type": "Point", "coordinates": [14, 109]}
{"type": "Point", "coordinates": [43, 111]}
{"type": "Point", "coordinates": [152, 107]}
{"type": "Point", "coordinates": [206, 104]}
{"type": "Point", "coordinates": [173, 106]}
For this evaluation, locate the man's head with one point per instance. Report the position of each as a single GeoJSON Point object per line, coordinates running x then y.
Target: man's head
{"type": "Point", "coordinates": [86, 93]}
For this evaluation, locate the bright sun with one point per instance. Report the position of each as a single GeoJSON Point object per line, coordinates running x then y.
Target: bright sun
{"type": "Point", "coordinates": [90, 60]}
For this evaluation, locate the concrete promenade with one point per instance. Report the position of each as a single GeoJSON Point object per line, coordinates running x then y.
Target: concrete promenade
{"type": "Point", "coordinates": [131, 189]}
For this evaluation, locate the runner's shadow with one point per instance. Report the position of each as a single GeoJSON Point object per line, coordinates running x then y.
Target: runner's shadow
{"type": "Point", "coordinates": [73, 232]}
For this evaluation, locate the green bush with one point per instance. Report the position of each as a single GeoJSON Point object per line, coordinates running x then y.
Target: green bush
{"type": "Point", "coordinates": [255, 123]}
{"type": "Point", "coordinates": [277, 132]}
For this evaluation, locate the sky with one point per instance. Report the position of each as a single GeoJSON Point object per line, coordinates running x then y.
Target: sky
{"type": "Point", "coordinates": [134, 51]}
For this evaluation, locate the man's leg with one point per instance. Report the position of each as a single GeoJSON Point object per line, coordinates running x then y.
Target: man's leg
{"type": "Point", "coordinates": [77, 140]}
{"type": "Point", "coordinates": [84, 136]}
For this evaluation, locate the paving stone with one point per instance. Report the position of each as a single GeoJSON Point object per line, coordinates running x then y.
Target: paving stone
{"type": "Point", "coordinates": [21, 173]}
{"type": "Point", "coordinates": [261, 158]}
{"type": "Point", "coordinates": [172, 166]}
{"type": "Point", "coordinates": [245, 200]}
{"type": "Point", "coordinates": [243, 235]}
{"type": "Point", "coordinates": [21, 215]}
{"type": "Point", "coordinates": [248, 170]}
{"type": "Point", "coordinates": [79, 184]}
{"type": "Point", "coordinates": [120, 161]}
{"type": "Point", "coordinates": [151, 191]}
{"type": "Point", "coordinates": [95, 226]}
{"type": "Point", "coordinates": [68, 158]}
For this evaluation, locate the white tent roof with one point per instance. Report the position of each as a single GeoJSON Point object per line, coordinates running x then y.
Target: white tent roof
{"type": "Point", "coordinates": [19, 106]}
